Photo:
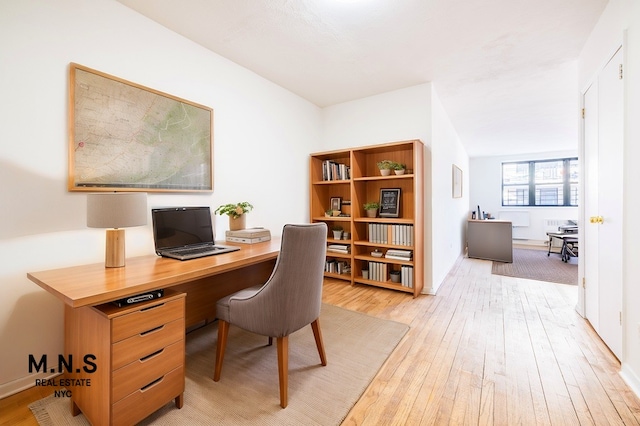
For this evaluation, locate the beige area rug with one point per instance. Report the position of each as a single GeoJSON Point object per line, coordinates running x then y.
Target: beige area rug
{"type": "Point", "coordinates": [357, 345]}
{"type": "Point", "coordinates": [536, 265]}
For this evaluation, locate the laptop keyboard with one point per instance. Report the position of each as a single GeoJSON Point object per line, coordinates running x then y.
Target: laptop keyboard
{"type": "Point", "coordinates": [196, 250]}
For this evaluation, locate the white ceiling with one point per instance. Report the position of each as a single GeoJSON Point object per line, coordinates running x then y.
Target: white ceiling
{"type": "Point", "coordinates": [505, 70]}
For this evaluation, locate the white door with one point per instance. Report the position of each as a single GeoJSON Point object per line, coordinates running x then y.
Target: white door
{"type": "Point", "coordinates": [603, 204]}
{"type": "Point", "coordinates": [589, 244]}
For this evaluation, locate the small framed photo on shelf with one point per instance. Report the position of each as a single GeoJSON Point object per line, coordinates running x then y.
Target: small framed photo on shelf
{"type": "Point", "coordinates": [390, 202]}
{"type": "Point", "coordinates": [336, 204]}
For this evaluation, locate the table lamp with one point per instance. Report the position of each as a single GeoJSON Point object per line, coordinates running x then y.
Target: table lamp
{"type": "Point", "coordinates": [116, 210]}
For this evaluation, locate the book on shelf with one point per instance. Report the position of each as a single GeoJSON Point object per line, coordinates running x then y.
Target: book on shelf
{"type": "Point", "coordinates": [377, 271]}
{"type": "Point", "coordinates": [401, 234]}
{"type": "Point", "coordinates": [406, 276]}
{"type": "Point", "coordinates": [337, 267]}
{"type": "Point", "coordinates": [339, 248]}
{"type": "Point", "coordinates": [248, 236]}
{"type": "Point", "coordinates": [332, 170]}
{"type": "Point", "coordinates": [399, 254]}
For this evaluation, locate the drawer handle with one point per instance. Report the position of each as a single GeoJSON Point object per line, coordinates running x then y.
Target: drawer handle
{"type": "Point", "coordinates": [152, 307]}
{"type": "Point", "coordinates": [155, 382]}
{"type": "Point", "coordinates": [144, 358]}
{"type": "Point", "coordinates": [152, 330]}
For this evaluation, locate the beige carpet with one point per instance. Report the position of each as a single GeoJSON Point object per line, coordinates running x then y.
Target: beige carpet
{"type": "Point", "coordinates": [536, 265]}
{"type": "Point", "coordinates": [356, 345]}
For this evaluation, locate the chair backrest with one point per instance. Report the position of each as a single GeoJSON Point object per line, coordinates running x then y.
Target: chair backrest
{"type": "Point", "coordinates": [291, 298]}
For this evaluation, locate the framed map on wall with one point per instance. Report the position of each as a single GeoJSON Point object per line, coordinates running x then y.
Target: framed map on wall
{"type": "Point", "coordinates": [124, 136]}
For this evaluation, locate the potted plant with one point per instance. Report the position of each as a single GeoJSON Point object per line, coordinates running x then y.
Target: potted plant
{"type": "Point", "coordinates": [337, 232]}
{"type": "Point", "coordinates": [385, 167]}
{"type": "Point", "coordinates": [399, 168]}
{"type": "Point", "coordinates": [328, 213]}
{"type": "Point", "coordinates": [236, 213]}
{"type": "Point", "coordinates": [371, 208]}
{"type": "Point", "coordinates": [395, 276]}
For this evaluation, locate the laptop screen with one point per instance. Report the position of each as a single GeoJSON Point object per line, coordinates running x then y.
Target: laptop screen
{"type": "Point", "coordinates": [181, 226]}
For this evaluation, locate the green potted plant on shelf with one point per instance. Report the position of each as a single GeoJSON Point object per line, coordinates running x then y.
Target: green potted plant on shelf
{"type": "Point", "coordinates": [399, 168]}
{"type": "Point", "coordinates": [236, 213]}
{"type": "Point", "coordinates": [337, 232]}
{"type": "Point", "coordinates": [371, 208]}
{"type": "Point", "coordinates": [385, 167]}
{"type": "Point", "coordinates": [328, 213]}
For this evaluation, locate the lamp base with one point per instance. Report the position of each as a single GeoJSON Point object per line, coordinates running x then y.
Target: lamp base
{"type": "Point", "coordinates": [114, 250]}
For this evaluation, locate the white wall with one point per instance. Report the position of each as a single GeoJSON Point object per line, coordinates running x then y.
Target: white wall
{"type": "Point", "coordinates": [621, 15]}
{"type": "Point", "coordinates": [412, 113]}
{"type": "Point", "coordinates": [262, 137]}
{"type": "Point", "coordinates": [449, 214]}
{"type": "Point", "coordinates": [486, 191]}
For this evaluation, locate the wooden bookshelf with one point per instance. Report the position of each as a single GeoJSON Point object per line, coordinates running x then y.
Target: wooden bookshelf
{"type": "Point", "coordinates": [352, 175]}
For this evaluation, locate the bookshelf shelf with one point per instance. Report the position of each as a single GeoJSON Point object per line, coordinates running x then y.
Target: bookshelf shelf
{"type": "Point", "coordinates": [352, 176]}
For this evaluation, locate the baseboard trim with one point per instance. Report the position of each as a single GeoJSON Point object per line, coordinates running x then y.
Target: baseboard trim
{"type": "Point", "coordinates": [23, 383]}
{"type": "Point", "coordinates": [630, 378]}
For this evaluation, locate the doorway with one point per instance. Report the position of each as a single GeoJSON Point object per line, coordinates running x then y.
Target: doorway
{"type": "Point", "coordinates": [602, 236]}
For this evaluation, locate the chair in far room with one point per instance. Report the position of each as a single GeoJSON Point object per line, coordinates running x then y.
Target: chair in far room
{"type": "Point", "coordinates": [289, 300]}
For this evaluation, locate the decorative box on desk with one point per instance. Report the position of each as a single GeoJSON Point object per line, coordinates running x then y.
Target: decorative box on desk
{"type": "Point", "coordinates": [139, 358]}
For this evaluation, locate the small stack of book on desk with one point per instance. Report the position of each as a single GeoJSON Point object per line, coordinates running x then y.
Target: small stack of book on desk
{"type": "Point", "coordinates": [248, 236]}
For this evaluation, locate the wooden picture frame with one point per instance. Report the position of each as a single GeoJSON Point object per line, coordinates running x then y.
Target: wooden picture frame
{"type": "Point", "coordinates": [456, 182]}
{"type": "Point", "coordinates": [389, 202]}
{"type": "Point", "coordinates": [128, 137]}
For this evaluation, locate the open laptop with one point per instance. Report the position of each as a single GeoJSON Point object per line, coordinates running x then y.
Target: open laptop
{"type": "Point", "coordinates": [185, 233]}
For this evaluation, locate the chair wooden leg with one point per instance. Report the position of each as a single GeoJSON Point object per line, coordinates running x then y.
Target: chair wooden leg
{"type": "Point", "coordinates": [283, 368]}
{"type": "Point", "coordinates": [315, 326]}
{"type": "Point", "coordinates": [223, 333]}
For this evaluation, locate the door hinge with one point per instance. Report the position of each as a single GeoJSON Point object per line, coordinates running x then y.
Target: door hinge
{"type": "Point", "coordinates": [584, 282]}
{"type": "Point", "coordinates": [582, 112]}
{"type": "Point", "coordinates": [620, 75]}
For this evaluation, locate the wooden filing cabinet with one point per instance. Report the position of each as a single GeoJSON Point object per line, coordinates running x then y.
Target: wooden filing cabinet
{"type": "Point", "coordinates": [139, 353]}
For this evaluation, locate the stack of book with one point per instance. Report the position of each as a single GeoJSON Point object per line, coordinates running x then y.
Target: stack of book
{"type": "Point", "coordinates": [339, 248]}
{"type": "Point", "coordinates": [248, 236]}
{"type": "Point", "coordinates": [399, 254]}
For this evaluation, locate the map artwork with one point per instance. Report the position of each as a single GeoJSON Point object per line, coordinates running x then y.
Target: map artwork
{"type": "Point", "coordinates": [125, 136]}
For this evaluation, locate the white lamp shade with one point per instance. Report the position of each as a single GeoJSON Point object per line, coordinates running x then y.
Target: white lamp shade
{"type": "Point", "coordinates": [116, 209]}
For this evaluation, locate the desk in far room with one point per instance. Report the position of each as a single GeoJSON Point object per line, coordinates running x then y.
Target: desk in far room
{"type": "Point", "coordinates": [490, 239]}
{"type": "Point", "coordinates": [139, 349]}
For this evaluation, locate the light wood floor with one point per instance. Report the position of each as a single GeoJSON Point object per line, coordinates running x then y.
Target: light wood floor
{"type": "Point", "coordinates": [487, 350]}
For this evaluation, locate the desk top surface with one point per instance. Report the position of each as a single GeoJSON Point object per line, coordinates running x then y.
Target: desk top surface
{"type": "Point", "coordinates": [94, 284]}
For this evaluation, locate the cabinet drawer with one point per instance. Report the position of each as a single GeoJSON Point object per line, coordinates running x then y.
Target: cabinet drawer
{"type": "Point", "coordinates": [147, 399]}
{"type": "Point", "coordinates": [137, 374]}
{"type": "Point", "coordinates": [145, 343]}
{"type": "Point", "coordinates": [145, 319]}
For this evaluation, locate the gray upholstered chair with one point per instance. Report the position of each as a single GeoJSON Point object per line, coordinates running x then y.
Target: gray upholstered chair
{"type": "Point", "coordinates": [289, 300]}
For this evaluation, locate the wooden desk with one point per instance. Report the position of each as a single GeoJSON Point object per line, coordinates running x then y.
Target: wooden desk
{"type": "Point", "coordinates": [143, 332]}
{"type": "Point", "coordinates": [205, 280]}
{"type": "Point", "coordinates": [490, 239]}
